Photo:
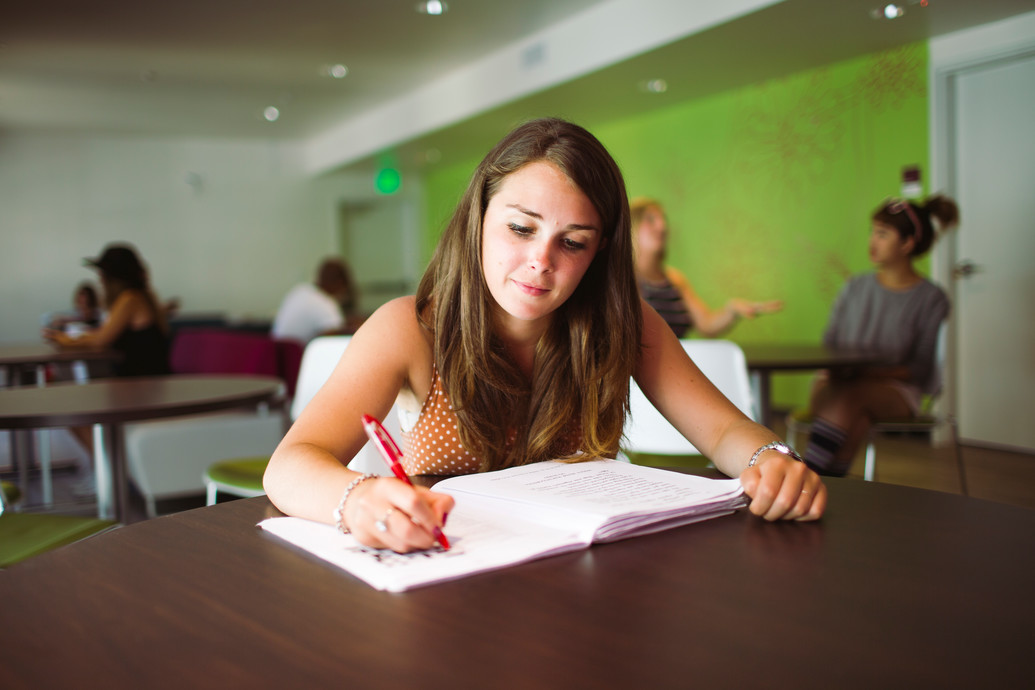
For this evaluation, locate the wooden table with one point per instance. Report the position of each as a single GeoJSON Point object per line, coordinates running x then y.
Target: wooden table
{"type": "Point", "coordinates": [108, 404]}
{"type": "Point", "coordinates": [764, 360]}
{"type": "Point", "coordinates": [895, 587]}
{"type": "Point", "coordinates": [16, 357]}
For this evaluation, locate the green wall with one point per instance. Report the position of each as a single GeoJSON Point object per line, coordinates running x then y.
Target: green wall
{"type": "Point", "coordinates": [768, 188]}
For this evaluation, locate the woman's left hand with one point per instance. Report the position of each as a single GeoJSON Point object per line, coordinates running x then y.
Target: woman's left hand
{"type": "Point", "coordinates": [781, 488]}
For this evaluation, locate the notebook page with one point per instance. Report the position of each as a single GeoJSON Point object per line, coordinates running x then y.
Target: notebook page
{"type": "Point", "coordinates": [480, 541]}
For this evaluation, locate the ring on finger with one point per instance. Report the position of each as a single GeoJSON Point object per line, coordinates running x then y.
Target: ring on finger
{"type": "Point", "coordinates": [382, 524]}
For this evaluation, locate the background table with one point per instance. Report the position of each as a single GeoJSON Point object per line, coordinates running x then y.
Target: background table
{"type": "Point", "coordinates": [895, 587]}
{"type": "Point", "coordinates": [110, 403]}
{"type": "Point", "coordinates": [16, 357]}
{"type": "Point", "coordinates": [764, 360]}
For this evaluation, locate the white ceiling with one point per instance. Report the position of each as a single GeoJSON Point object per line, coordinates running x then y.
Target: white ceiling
{"type": "Point", "coordinates": [208, 68]}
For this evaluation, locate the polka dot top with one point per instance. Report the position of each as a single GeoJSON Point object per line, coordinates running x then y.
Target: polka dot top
{"type": "Point", "coordinates": [432, 445]}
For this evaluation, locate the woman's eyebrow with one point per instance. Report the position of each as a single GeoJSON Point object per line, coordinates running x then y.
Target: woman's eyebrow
{"type": "Point", "coordinates": [537, 216]}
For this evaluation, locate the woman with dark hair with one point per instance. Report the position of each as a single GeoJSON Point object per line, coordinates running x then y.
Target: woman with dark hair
{"type": "Point", "coordinates": [518, 348]}
{"type": "Point", "coordinates": [894, 311]}
{"type": "Point", "coordinates": [136, 326]}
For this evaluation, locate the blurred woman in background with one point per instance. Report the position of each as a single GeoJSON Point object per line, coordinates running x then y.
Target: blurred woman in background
{"type": "Point", "coordinates": [667, 289]}
{"type": "Point", "coordinates": [136, 326]}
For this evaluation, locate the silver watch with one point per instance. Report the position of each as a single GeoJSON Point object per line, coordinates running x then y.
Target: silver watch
{"type": "Point", "coordinates": [779, 447]}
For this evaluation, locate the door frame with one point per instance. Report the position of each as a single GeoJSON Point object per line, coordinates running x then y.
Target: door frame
{"type": "Point", "coordinates": [951, 56]}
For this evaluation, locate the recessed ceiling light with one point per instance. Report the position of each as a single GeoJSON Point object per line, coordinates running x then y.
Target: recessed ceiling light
{"type": "Point", "coordinates": [433, 7]}
{"type": "Point", "coordinates": [337, 71]}
{"type": "Point", "coordinates": [889, 11]}
{"type": "Point", "coordinates": [271, 114]}
{"type": "Point", "coordinates": [654, 86]}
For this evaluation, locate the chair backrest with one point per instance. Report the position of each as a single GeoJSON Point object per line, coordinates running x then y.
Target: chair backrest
{"type": "Point", "coordinates": [289, 361]}
{"type": "Point", "coordinates": [723, 362]}
{"type": "Point", "coordinates": [213, 351]}
{"type": "Point", "coordinates": [318, 361]}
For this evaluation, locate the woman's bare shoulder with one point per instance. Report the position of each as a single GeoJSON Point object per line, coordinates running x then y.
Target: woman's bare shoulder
{"type": "Point", "coordinates": [398, 316]}
{"type": "Point", "coordinates": [394, 334]}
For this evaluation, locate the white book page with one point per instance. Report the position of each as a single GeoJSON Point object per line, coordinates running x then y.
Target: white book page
{"type": "Point", "coordinates": [479, 541]}
{"type": "Point", "coordinates": [607, 489]}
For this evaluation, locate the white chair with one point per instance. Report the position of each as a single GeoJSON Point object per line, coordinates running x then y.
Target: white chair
{"type": "Point", "coordinates": [166, 458]}
{"type": "Point", "coordinates": [242, 476]}
{"type": "Point", "coordinates": [647, 432]}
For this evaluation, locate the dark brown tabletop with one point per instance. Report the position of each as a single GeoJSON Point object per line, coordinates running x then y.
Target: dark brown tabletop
{"type": "Point", "coordinates": [895, 587]}
{"type": "Point", "coordinates": [763, 360]}
{"type": "Point", "coordinates": [130, 399]}
{"type": "Point", "coordinates": [31, 354]}
{"type": "Point", "coordinates": [113, 402]}
{"type": "Point", "coordinates": [20, 357]}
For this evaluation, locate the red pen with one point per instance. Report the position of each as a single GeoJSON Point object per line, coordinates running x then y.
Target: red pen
{"type": "Point", "coordinates": [391, 453]}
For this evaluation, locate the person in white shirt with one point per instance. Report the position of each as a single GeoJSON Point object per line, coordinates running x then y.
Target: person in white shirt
{"type": "Point", "coordinates": [310, 310]}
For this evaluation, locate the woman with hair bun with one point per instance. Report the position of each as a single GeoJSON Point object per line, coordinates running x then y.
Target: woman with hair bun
{"type": "Point", "coordinates": [894, 311]}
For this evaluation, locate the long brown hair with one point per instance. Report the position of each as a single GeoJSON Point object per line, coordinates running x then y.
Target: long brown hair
{"type": "Point", "coordinates": [584, 360]}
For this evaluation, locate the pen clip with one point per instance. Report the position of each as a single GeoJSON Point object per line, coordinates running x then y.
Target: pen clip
{"type": "Point", "coordinates": [382, 439]}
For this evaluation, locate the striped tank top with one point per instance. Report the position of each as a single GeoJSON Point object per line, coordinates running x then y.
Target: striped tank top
{"type": "Point", "coordinates": [666, 300]}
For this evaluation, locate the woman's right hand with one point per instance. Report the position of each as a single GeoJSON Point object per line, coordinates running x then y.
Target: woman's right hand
{"type": "Point", "coordinates": [408, 514]}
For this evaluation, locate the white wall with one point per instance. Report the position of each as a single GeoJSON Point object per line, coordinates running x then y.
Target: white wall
{"type": "Point", "coordinates": [224, 225]}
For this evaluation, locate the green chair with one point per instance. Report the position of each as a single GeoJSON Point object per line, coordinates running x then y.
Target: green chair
{"type": "Point", "coordinates": [10, 493]}
{"type": "Point", "coordinates": [238, 477]}
{"type": "Point", "coordinates": [23, 535]}
{"type": "Point", "coordinates": [243, 476]}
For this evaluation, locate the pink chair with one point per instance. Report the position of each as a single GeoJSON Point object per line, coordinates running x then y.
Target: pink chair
{"type": "Point", "coordinates": [210, 351]}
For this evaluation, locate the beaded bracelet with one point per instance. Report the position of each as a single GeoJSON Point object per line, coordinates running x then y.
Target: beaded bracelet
{"type": "Point", "coordinates": [339, 512]}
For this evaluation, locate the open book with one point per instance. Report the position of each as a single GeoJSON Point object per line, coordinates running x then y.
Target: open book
{"type": "Point", "coordinates": [523, 513]}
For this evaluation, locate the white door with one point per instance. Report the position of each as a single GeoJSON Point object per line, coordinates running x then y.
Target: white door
{"type": "Point", "coordinates": [377, 241]}
{"type": "Point", "coordinates": [994, 152]}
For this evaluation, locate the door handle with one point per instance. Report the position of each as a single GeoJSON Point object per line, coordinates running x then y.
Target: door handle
{"type": "Point", "coordinates": [965, 269]}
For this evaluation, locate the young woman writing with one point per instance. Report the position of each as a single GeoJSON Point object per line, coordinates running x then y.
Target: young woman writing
{"type": "Point", "coordinates": [517, 348]}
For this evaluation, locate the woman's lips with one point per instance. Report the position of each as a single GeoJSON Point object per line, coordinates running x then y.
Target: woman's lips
{"type": "Point", "coordinates": [531, 289]}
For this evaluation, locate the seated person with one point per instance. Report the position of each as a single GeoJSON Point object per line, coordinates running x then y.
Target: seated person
{"type": "Point", "coordinates": [894, 311]}
{"type": "Point", "coordinates": [86, 314]}
{"type": "Point", "coordinates": [667, 289]}
{"type": "Point", "coordinates": [320, 308]}
{"type": "Point", "coordinates": [136, 326]}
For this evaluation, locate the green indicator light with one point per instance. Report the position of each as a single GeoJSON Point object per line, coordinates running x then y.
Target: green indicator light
{"type": "Point", "coordinates": [388, 181]}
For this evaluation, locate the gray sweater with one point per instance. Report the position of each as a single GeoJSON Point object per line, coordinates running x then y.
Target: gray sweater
{"type": "Point", "coordinates": [902, 325]}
